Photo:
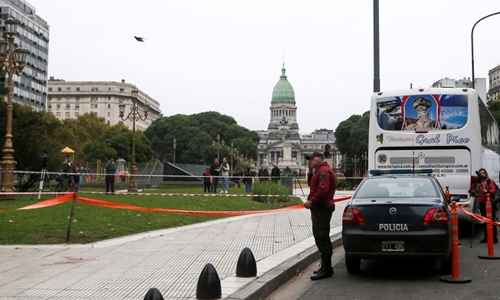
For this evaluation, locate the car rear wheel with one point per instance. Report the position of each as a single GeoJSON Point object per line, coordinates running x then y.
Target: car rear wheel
{"type": "Point", "coordinates": [446, 266]}
{"type": "Point", "coordinates": [352, 264]}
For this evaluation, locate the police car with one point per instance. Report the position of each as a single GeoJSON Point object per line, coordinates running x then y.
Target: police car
{"type": "Point", "coordinates": [397, 214]}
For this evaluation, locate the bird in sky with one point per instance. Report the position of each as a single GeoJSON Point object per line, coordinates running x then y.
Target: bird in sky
{"type": "Point", "coordinates": [139, 39]}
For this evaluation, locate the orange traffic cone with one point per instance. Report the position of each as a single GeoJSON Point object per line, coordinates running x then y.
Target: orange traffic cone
{"type": "Point", "coordinates": [489, 232]}
{"type": "Point", "coordinates": [455, 268]}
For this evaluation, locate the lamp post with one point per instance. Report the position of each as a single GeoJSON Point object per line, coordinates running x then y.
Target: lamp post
{"type": "Point", "coordinates": [355, 160]}
{"type": "Point", "coordinates": [364, 157]}
{"type": "Point", "coordinates": [218, 145]}
{"type": "Point", "coordinates": [233, 154]}
{"type": "Point", "coordinates": [175, 145]}
{"type": "Point", "coordinates": [472, 45]}
{"type": "Point", "coordinates": [134, 115]}
{"type": "Point", "coordinates": [12, 61]}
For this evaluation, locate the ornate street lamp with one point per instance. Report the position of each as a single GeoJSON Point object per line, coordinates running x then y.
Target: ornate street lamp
{"type": "Point", "coordinates": [218, 145]}
{"type": "Point", "coordinates": [364, 157]}
{"type": "Point", "coordinates": [135, 114]}
{"type": "Point", "coordinates": [355, 160]}
{"type": "Point", "coordinates": [175, 145]}
{"type": "Point", "coordinates": [233, 152]}
{"type": "Point", "coordinates": [12, 62]}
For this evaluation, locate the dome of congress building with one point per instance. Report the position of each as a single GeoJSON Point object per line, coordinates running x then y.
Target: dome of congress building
{"type": "Point", "coordinates": [283, 90]}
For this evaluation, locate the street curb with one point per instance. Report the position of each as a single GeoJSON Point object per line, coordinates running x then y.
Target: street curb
{"type": "Point", "coordinates": [264, 285]}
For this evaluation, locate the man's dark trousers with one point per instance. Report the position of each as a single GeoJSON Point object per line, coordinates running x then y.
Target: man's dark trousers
{"type": "Point", "coordinates": [110, 183]}
{"type": "Point", "coordinates": [215, 182]}
{"type": "Point", "coordinates": [321, 231]}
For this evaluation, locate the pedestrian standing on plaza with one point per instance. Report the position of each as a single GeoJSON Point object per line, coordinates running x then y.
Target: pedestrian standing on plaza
{"type": "Point", "coordinates": [263, 173]}
{"type": "Point", "coordinates": [322, 184]}
{"type": "Point", "coordinates": [215, 172]}
{"type": "Point", "coordinates": [69, 170]}
{"type": "Point", "coordinates": [275, 173]}
{"type": "Point", "coordinates": [207, 183]}
{"type": "Point", "coordinates": [77, 178]}
{"type": "Point", "coordinates": [110, 175]}
{"type": "Point", "coordinates": [224, 169]}
{"type": "Point", "coordinates": [485, 186]}
{"type": "Point", "coordinates": [247, 180]}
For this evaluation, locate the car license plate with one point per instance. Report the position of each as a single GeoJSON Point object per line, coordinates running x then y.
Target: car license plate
{"type": "Point", "coordinates": [396, 246]}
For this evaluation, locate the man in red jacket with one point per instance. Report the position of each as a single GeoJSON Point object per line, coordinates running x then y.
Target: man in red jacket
{"type": "Point", "coordinates": [320, 201]}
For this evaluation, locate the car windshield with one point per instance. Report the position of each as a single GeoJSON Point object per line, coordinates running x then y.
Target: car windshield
{"type": "Point", "coordinates": [398, 187]}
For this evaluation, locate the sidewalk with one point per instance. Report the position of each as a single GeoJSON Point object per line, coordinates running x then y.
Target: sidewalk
{"type": "Point", "coordinates": [170, 260]}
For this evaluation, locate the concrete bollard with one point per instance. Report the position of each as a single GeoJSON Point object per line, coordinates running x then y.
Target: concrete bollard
{"type": "Point", "coordinates": [208, 284]}
{"type": "Point", "coordinates": [246, 267]}
{"type": "Point", "coordinates": [153, 294]}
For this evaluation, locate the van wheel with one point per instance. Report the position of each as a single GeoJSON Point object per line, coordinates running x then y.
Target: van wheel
{"type": "Point", "coordinates": [352, 264]}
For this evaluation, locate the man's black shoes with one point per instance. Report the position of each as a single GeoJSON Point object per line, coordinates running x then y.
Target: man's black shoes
{"type": "Point", "coordinates": [322, 273]}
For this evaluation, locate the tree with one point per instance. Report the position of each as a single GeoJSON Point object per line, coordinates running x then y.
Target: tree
{"type": "Point", "coordinates": [34, 134]}
{"type": "Point", "coordinates": [195, 134]}
{"type": "Point", "coordinates": [351, 137]}
{"type": "Point", "coordinates": [109, 142]}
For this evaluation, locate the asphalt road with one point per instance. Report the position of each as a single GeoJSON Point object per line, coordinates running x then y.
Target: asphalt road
{"type": "Point", "coordinates": [402, 279]}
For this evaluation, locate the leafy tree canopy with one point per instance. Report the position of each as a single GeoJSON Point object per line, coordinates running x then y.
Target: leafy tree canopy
{"type": "Point", "coordinates": [195, 135]}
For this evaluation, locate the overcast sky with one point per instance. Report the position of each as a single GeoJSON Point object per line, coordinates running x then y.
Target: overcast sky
{"type": "Point", "coordinates": [226, 55]}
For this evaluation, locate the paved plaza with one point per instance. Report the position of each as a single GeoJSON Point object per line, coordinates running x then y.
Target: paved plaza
{"type": "Point", "coordinates": [170, 260]}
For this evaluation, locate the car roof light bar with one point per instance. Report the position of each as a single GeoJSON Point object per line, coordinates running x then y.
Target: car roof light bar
{"type": "Point", "coordinates": [400, 171]}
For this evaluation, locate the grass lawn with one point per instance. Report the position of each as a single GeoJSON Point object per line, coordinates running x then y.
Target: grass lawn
{"type": "Point", "coordinates": [95, 223]}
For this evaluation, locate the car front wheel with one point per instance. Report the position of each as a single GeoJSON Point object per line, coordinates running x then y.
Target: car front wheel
{"type": "Point", "coordinates": [352, 264]}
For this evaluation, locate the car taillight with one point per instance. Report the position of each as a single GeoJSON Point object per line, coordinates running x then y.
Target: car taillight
{"type": "Point", "coordinates": [435, 216]}
{"type": "Point", "coordinates": [353, 216]}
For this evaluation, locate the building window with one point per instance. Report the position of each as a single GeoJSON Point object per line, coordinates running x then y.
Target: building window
{"type": "Point", "coordinates": [50, 89]}
{"type": "Point", "coordinates": [67, 99]}
{"type": "Point", "coordinates": [49, 106]}
{"type": "Point", "coordinates": [77, 114]}
{"type": "Point", "coordinates": [94, 89]}
{"type": "Point", "coordinates": [58, 114]}
{"type": "Point", "coordinates": [59, 89]}
{"type": "Point", "coordinates": [122, 90]}
{"type": "Point", "coordinates": [109, 98]}
{"type": "Point", "coordinates": [77, 89]}
{"type": "Point", "coordinates": [77, 106]}
{"type": "Point", "coordinates": [77, 98]}
{"type": "Point", "coordinates": [58, 99]}
{"type": "Point", "coordinates": [58, 106]}
{"type": "Point", "coordinates": [109, 114]}
{"type": "Point", "coordinates": [93, 105]}
{"type": "Point", "coordinates": [68, 89]}
{"type": "Point", "coordinates": [67, 115]}
{"type": "Point", "coordinates": [109, 105]}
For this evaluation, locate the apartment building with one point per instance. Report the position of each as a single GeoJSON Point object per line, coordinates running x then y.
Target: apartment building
{"type": "Point", "coordinates": [70, 99]}
{"type": "Point", "coordinates": [32, 34]}
{"type": "Point", "coordinates": [494, 79]}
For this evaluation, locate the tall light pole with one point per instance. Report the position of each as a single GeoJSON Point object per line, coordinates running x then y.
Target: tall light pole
{"type": "Point", "coordinates": [135, 114]}
{"type": "Point", "coordinates": [175, 145]}
{"type": "Point", "coordinates": [218, 145]}
{"type": "Point", "coordinates": [12, 61]}
{"type": "Point", "coordinates": [472, 46]}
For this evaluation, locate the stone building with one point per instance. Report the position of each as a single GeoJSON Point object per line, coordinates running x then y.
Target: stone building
{"type": "Point", "coordinates": [70, 99]}
{"type": "Point", "coordinates": [282, 142]}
